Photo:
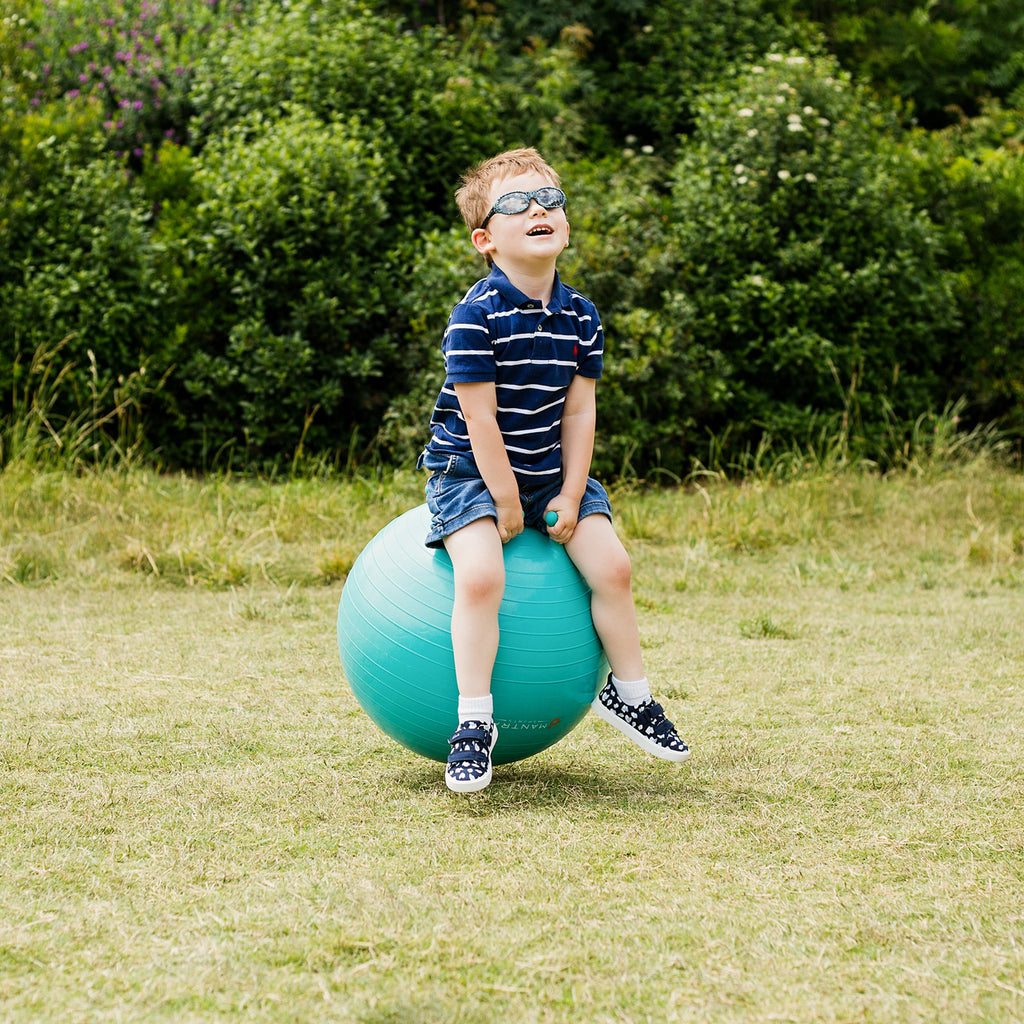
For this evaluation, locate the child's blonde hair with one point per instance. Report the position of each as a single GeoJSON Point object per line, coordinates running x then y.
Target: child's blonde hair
{"type": "Point", "coordinates": [474, 195]}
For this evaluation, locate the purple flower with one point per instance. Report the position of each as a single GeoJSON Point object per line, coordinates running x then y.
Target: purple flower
{"type": "Point", "coordinates": [137, 105]}
{"type": "Point", "coordinates": [72, 94]}
{"type": "Point", "coordinates": [79, 47]}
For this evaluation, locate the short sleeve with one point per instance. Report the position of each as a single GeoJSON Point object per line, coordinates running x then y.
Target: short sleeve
{"type": "Point", "coordinates": [467, 345]}
{"type": "Point", "coordinates": [590, 354]}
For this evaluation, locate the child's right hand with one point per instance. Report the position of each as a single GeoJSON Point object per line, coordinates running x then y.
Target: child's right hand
{"type": "Point", "coordinates": [510, 521]}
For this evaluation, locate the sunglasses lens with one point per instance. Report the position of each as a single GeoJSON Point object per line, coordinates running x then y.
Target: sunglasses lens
{"type": "Point", "coordinates": [550, 198]}
{"type": "Point", "coordinates": [514, 202]}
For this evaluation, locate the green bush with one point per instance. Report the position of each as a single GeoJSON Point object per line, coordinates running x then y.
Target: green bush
{"type": "Point", "coordinates": [808, 268]}
{"type": "Point", "coordinates": [660, 65]}
{"type": "Point", "coordinates": [642, 66]}
{"type": "Point", "coordinates": [972, 181]}
{"type": "Point", "coordinates": [660, 383]}
{"type": "Point", "coordinates": [19, 66]}
{"type": "Point", "coordinates": [434, 108]}
{"type": "Point", "coordinates": [283, 289]}
{"type": "Point", "coordinates": [132, 57]}
{"type": "Point", "coordinates": [944, 59]}
{"type": "Point", "coordinates": [437, 270]}
{"type": "Point", "coordinates": [78, 258]}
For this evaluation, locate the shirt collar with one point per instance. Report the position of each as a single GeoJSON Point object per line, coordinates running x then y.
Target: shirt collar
{"type": "Point", "coordinates": [510, 293]}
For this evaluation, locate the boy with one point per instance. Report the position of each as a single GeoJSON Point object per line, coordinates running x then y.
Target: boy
{"type": "Point", "coordinates": [512, 436]}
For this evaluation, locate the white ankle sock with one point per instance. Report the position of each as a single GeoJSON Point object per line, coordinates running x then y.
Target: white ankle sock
{"type": "Point", "coordinates": [634, 692]}
{"type": "Point", "coordinates": [476, 709]}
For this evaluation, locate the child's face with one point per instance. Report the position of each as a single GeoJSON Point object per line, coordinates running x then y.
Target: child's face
{"type": "Point", "coordinates": [531, 240]}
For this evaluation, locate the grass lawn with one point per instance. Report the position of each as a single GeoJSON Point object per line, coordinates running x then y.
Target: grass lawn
{"type": "Point", "coordinates": [200, 824]}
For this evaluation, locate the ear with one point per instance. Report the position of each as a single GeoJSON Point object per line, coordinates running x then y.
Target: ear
{"type": "Point", "coordinates": [481, 240]}
{"type": "Point", "coordinates": [567, 227]}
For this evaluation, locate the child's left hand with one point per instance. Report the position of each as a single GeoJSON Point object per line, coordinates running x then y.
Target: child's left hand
{"type": "Point", "coordinates": [568, 516]}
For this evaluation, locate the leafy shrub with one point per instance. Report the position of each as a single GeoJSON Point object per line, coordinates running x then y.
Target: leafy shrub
{"type": "Point", "coordinates": [255, 198]}
{"type": "Point", "coordinates": [972, 181]}
{"type": "Point", "coordinates": [283, 295]}
{"type": "Point", "coordinates": [134, 57]}
{"type": "Point", "coordinates": [945, 59]}
{"type": "Point", "coordinates": [78, 257]}
{"type": "Point", "coordinates": [660, 383]}
{"type": "Point", "coordinates": [18, 64]}
{"type": "Point", "coordinates": [438, 269]}
{"type": "Point", "coordinates": [648, 63]}
{"type": "Point", "coordinates": [806, 264]}
{"type": "Point", "coordinates": [433, 110]}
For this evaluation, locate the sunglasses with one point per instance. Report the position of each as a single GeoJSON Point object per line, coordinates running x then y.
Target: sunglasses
{"type": "Point", "coordinates": [510, 203]}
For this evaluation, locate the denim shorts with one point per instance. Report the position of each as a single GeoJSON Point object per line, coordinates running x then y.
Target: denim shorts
{"type": "Point", "coordinates": [457, 496]}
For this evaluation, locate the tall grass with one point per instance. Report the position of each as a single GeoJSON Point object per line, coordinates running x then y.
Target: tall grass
{"type": "Point", "coordinates": [64, 419]}
{"type": "Point", "coordinates": [934, 442]}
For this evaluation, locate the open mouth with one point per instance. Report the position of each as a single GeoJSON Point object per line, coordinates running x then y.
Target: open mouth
{"type": "Point", "coordinates": [540, 229]}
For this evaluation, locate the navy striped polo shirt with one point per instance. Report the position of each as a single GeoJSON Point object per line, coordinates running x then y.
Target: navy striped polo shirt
{"type": "Point", "coordinates": [496, 333]}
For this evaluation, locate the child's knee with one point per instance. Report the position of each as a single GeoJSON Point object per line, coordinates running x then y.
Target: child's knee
{"type": "Point", "coordinates": [615, 573]}
{"type": "Point", "coordinates": [482, 583]}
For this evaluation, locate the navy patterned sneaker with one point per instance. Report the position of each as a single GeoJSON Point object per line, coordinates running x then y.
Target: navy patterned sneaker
{"type": "Point", "coordinates": [645, 724]}
{"type": "Point", "coordinates": [469, 763]}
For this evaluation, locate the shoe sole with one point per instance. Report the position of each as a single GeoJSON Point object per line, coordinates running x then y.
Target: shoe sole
{"type": "Point", "coordinates": [475, 785]}
{"type": "Point", "coordinates": [643, 742]}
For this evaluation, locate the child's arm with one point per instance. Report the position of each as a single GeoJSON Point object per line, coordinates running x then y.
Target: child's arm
{"type": "Point", "coordinates": [579, 421]}
{"type": "Point", "coordinates": [479, 404]}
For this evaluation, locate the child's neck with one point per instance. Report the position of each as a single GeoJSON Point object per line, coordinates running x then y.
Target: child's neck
{"type": "Point", "coordinates": [534, 282]}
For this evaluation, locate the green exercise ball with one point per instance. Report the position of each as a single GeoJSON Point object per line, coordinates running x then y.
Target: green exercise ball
{"type": "Point", "coordinates": [394, 638]}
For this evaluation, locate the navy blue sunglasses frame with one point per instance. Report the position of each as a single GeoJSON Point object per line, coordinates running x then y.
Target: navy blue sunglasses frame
{"type": "Point", "coordinates": [550, 197]}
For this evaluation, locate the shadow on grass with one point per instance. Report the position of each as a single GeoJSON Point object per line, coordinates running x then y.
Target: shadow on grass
{"type": "Point", "coordinates": [537, 783]}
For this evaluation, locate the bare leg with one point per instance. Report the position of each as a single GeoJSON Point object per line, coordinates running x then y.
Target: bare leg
{"type": "Point", "coordinates": [604, 563]}
{"type": "Point", "coordinates": [476, 554]}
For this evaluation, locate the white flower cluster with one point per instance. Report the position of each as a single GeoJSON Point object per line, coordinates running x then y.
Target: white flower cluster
{"type": "Point", "coordinates": [631, 141]}
{"type": "Point", "coordinates": [785, 175]}
{"type": "Point", "coordinates": [794, 122]}
{"type": "Point", "coordinates": [744, 175]}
